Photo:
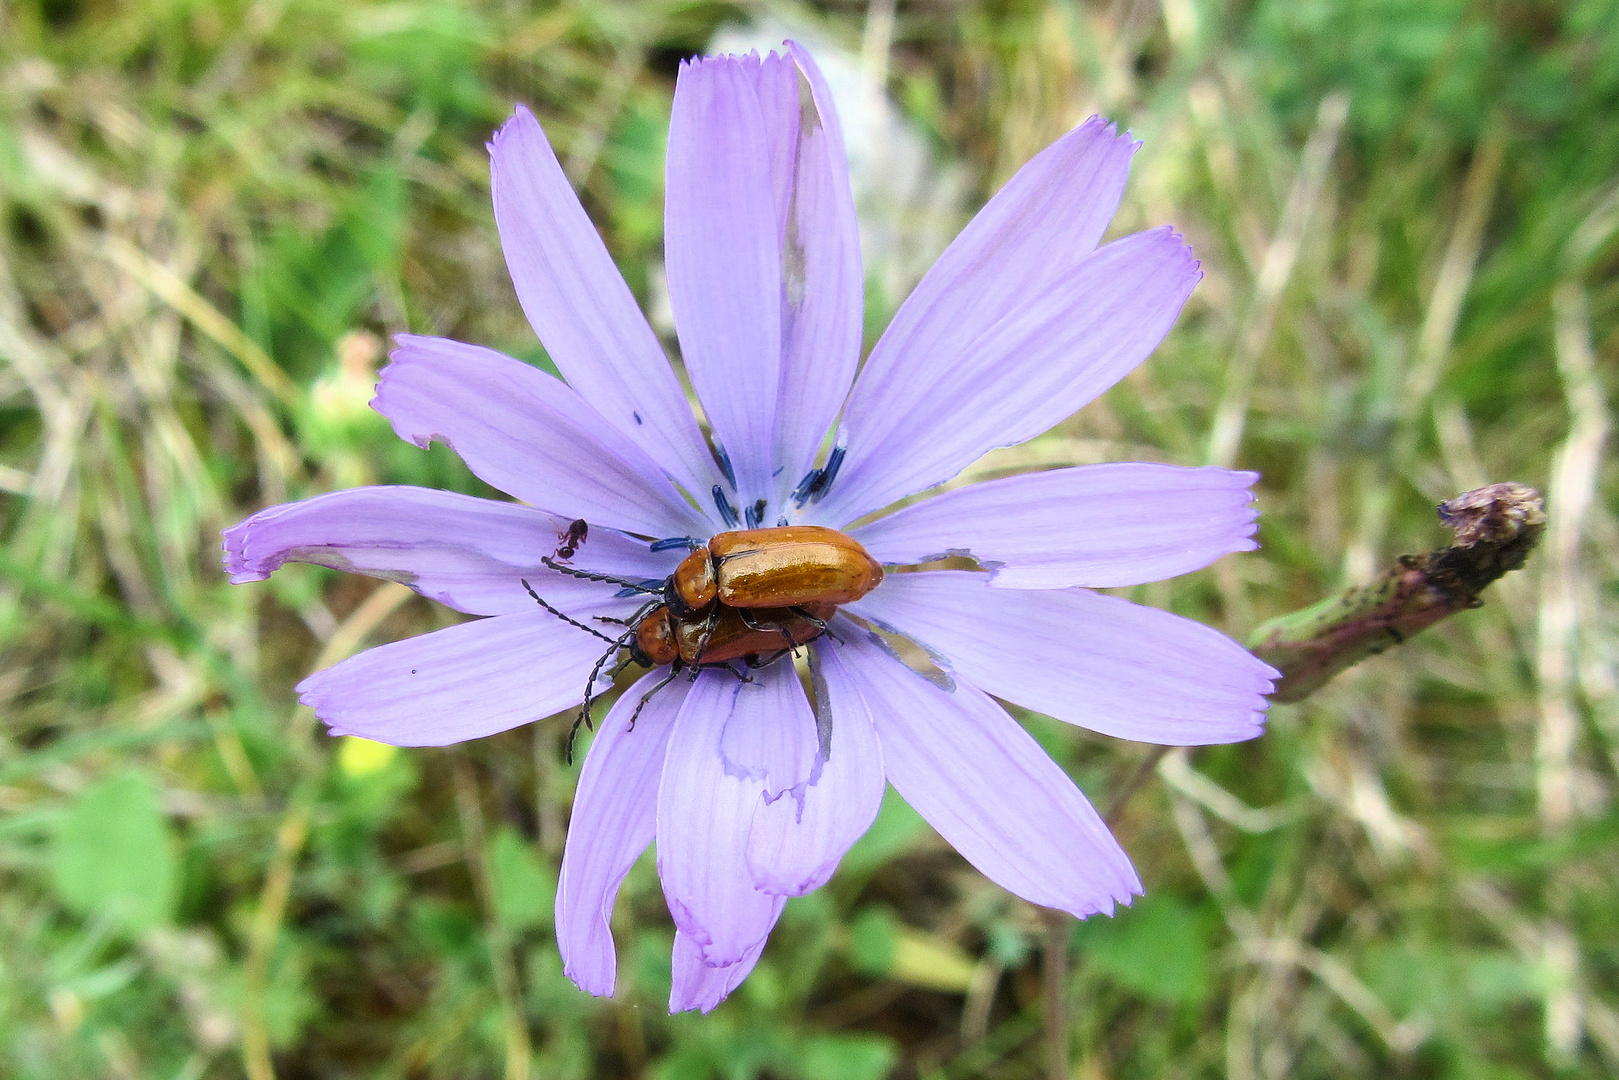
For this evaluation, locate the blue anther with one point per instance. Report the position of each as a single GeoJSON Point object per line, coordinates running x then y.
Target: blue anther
{"type": "Point", "coordinates": [829, 473]}
{"type": "Point", "coordinates": [727, 511]}
{"type": "Point", "coordinates": [725, 464]}
{"type": "Point", "coordinates": [801, 493]}
{"type": "Point", "coordinates": [816, 482]}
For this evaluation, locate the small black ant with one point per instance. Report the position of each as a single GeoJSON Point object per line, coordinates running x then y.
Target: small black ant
{"type": "Point", "coordinates": [572, 539]}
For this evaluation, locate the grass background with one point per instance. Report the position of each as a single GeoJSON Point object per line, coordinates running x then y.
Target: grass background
{"type": "Point", "coordinates": [211, 216]}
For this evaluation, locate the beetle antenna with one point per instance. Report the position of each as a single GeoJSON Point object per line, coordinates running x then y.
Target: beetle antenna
{"type": "Point", "coordinates": [590, 688]}
{"type": "Point", "coordinates": [586, 575]}
{"type": "Point", "coordinates": [585, 708]}
{"type": "Point", "coordinates": [573, 733]}
{"type": "Point", "coordinates": [558, 614]}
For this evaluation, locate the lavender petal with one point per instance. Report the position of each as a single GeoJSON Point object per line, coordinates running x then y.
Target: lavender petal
{"type": "Point", "coordinates": [822, 280]}
{"type": "Point", "coordinates": [1047, 355]}
{"type": "Point", "coordinates": [704, 813]}
{"type": "Point", "coordinates": [770, 736]}
{"type": "Point", "coordinates": [722, 251]}
{"type": "Point", "coordinates": [614, 820]}
{"type": "Point", "coordinates": [530, 435]}
{"type": "Point", "coordinates": [989, 789]}
{"type": "Point", "coordinates": [1096, 525]}
{"type": "Point", "coordinates": [581, 308]}
{"type": "Point", "coordinates": [1046, 219]}
{"type": "Point", "coordinates": [460, 683]}
{"type": "Point", "coordinates": [470, 554]}
{"type": "Point", "coordinates": [798, 840]}
{"type": "Point", "coordinates": [1097, 661]}
{"type": "Point", "coordinates": [697, 984]}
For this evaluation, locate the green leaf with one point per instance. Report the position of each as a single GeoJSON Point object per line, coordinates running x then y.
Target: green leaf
{"type": "Point", "coordinates": [1159, 949]}
{"type": "Point", "coordinates": [848, 1057]}
{"type": "Point", "coordinates": [873, 939]}
{"type": "Point", "coordinates": [525, 890]}
{"type": "Point", "coordinates": [114, 855]}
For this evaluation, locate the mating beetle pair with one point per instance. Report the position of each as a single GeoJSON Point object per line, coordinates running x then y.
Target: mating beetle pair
{"type": "Point", "coordinates": [752, 595]}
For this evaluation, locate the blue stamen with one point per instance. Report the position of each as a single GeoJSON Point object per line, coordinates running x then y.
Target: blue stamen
{"type": "Point", "coordinates": [816, 482]}
{"type": "Point", "coordinates": [725, 465]}
{"type": "Point", "coordinates": [670, 543]}
{"type": "Point", "coordinates": [727, 511]}
{"type": "Point", "coordinates": [834, 462]}
{"type": "Point", "coordinates": [801, 493]}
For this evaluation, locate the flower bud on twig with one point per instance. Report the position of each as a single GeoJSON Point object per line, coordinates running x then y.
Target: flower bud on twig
{"type": "Point", "coordinates": [1496, 527]}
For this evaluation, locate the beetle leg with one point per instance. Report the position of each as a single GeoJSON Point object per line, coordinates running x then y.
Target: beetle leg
{"type": "Point", "coordinates": [729, 670]}
{"type": "Point", "coordinates": [803, 613]}
{"type": "Point", "coordinates": [820, 624]}
{"type": "Point", "coordinates": [747, 620]}
{"type": "Point", "coordinates": [674, 671]}
{"type": "Point", "coordinates": [634, 620]}
{"type": "Point", "coordinates": [702, 642]}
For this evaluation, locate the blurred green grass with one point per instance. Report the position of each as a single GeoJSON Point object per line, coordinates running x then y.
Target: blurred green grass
{"type": "Point", "coordinates": [213, 215]}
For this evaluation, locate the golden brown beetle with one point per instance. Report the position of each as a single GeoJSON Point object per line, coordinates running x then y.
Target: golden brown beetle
{"type": "Point", "coordinates": [751, 594]}
{"type": "Point", "coordinates": [727, 635]}
{"type": "Point", "coordinates": [787, 566]}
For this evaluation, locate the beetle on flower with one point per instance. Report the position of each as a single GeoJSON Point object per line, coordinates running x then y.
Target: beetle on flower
{"type": "Point", "coordinates": [1022, 321]}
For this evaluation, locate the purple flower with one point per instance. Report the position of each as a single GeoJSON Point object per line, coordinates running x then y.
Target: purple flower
{"type": "Point", "coordinates": [1022, 321]}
